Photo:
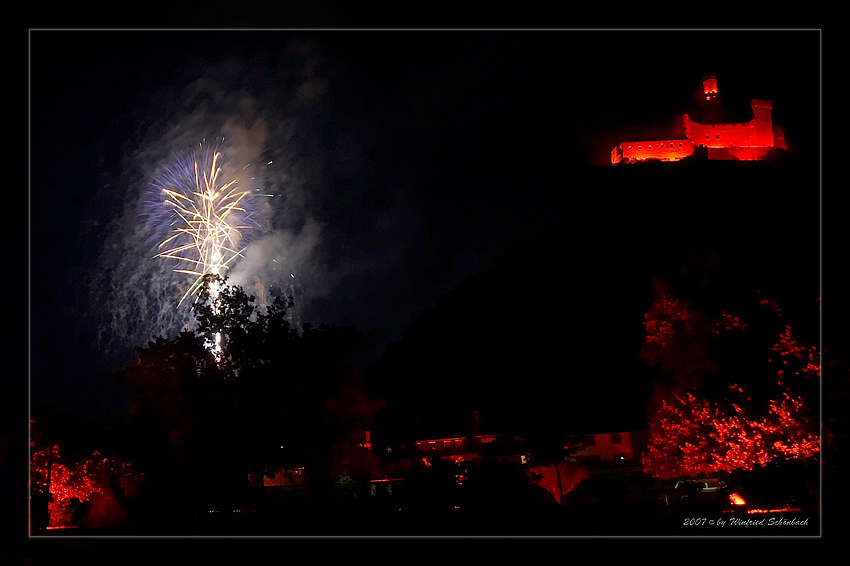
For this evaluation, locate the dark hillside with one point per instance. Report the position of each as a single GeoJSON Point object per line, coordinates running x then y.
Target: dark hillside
{"type": "Point", "coordinates": [548, 337]}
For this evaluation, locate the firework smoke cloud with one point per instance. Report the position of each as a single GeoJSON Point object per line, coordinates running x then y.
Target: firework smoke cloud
{"type": "Point", "coordinates": [257, 118]}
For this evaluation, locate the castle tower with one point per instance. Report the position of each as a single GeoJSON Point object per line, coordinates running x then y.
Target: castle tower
{"type": "Point", "coordinates": [683, 126]}
{"type": "Point", "coordinates": [709, 87]}
{"type": "Point", "coordinates": [762, 131]}
{"type": "Point", "coordinates": [708, 107]}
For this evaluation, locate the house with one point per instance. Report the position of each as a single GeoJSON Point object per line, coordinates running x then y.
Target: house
{"type": "Point", "coordinates": [285, 477]}
{"type": "Point", "coordinates": [609, 450]}
{"type": "Point", "coordinates": [586, 455]}
{"type": "Point", "coordinates": [399, 458]}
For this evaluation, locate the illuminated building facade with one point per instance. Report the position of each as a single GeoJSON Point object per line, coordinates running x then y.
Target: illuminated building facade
{"type": "Point", "coordinates": [611, 448]}
{"type": "Point", "coordinates": [743, 141]}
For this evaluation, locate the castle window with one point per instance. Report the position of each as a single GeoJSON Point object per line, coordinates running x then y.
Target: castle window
{"type": "Point", "coordinates": [717, 136]}
{"type": "Point", "coordinates": [680, 144]}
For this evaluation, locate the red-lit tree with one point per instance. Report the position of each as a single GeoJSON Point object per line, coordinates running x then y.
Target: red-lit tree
{"type": "Point", "coordinates": [64, 483]}
{"type": "Point", "coordinates": [703, 424]}
{"type": "Point", "coordinates": [691, 436]}
{"type": "Point", "coordinates": [678, 341]}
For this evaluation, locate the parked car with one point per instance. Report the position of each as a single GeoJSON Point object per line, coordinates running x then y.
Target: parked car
{"type": "Point", "coordinates": [704, 493]}
{"type": "Point", "coordinates": [701, 487]}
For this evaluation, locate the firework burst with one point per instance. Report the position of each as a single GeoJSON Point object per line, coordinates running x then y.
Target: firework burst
{"type": "Point", "coordinates": [205, 208]}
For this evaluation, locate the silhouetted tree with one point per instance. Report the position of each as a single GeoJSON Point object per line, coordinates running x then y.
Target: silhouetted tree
{"type": "Point", "coordinates": [266, 396]}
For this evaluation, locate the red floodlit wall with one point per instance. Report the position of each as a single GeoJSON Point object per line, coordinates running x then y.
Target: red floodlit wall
{"type": "Point", "coordinates": [739, 153]}
{"type": "Point", "coordinates": [608, 447]}
{"type": "Point", "coordinates": [570, 476]}
{"type": "Point", "coordinates": [720, 135]}
{"type": "Point", "coordinates": [664, 150]}
{"type": "Point", "coordinates": [762, 124]}
{"type": "Point", "coordinates": [758, 132]}
{"type": "Point", "coordinates": [779, 138]}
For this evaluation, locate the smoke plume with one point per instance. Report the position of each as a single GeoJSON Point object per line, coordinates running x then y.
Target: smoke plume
{"type": "Point", "coordinates": [261, 117]}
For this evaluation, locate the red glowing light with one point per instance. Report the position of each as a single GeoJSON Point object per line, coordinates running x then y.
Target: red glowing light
{"type": "Point", "coordinates": [782, 510]}
{"type": "Point", "coordinates": [736, 499]}
{"type": "Point", "coordinates": [732, 323]}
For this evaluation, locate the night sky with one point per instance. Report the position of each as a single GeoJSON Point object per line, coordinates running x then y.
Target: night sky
{"type": "Point", "coordinates": [404, 162]}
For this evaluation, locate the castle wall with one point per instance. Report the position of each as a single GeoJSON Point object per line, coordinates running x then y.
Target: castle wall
{"type": "Point", "coordinates": [779, 138]}
{"type": "Point", "coordinates": [762, 124]}
{"type": "Point", "coordinates": [663, 150]}
{"type": "Point", "coordinates": [758, 132]}
{"type": "Point", "coordinates": [721, 135]}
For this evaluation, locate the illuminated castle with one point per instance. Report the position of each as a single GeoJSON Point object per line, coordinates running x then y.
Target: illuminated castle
{"type": "Point", "coordinates": [744, 141]}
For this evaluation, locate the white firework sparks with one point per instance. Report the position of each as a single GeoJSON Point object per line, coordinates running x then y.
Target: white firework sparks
{"type": "Point", "coordinates": [210, 216]}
